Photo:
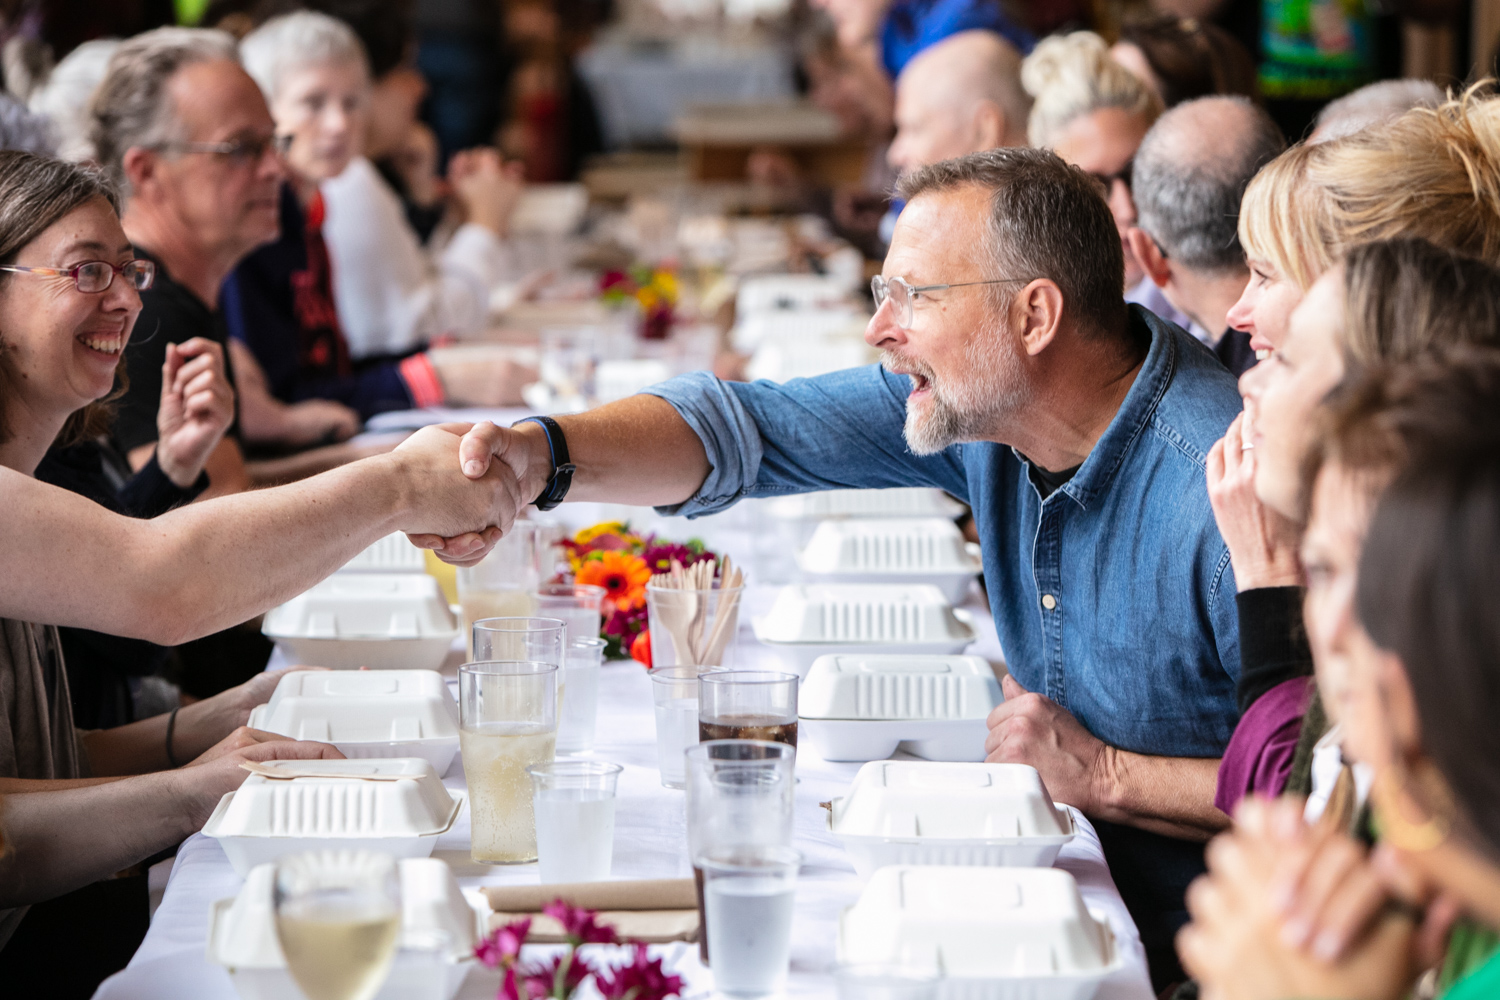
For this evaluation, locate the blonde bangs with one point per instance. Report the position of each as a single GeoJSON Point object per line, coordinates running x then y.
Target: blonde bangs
{"type": "Point", "coordinates": [1282, 218]}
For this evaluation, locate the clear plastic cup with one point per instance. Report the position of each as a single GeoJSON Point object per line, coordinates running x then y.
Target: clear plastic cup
{"type": "Point", "coordinates": [685, 625]}
{"type": "Point", "coordinates": [534, 640]}
{"type": "Point", "coordinates": [674, 690]}
{"type": "Point", "coordinates": [575, 818]}
{"type": "Point", "coordinates": [581, 605]}
{"type": "Point", "coordinates": [749, 897]}
{"type": "Point", "coordinates": [503, 583]}
{"type": "Point", "coordinates": [578, 708]}
{"type": "Point", "coordinates": [748, 705]}
{"type": "Point", "coordinates": [508, 722]}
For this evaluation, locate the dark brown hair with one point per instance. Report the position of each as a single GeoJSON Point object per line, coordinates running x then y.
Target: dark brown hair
{"type": "Point", "coordinates": [35, 192]}
{"type": "Point", "coordinates": [1047, 220]}
{"type": "Point", "coordinates": [1192, 58]}
{"type": "Point", "coordinates": [1429, 579]}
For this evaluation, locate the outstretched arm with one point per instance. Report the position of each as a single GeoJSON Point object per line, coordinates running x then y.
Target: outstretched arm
{"type": "Point", "coordinates": [64, 560]}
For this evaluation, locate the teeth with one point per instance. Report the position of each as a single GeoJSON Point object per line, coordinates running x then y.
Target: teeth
{"type": "Point", "coordinates": [104, 346]}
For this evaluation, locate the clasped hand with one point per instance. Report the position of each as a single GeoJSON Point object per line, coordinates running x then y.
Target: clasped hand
{"type": "Point", "coordinates": [502, 487]}
{"type": "Point", "coordinates": [1030, 728]}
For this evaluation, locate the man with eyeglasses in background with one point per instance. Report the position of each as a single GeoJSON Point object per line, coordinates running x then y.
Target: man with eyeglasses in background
{"type": "Point", "coordinates": [188, 140]}
{"type": "Point", "coordinates": [1015, 378]}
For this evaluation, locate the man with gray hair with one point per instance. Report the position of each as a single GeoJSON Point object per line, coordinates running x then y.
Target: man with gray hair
{"type": "Point", "coordinates": [1015, 378]}
{"type": "Point", "coordinates": [1372, 104]}
{"type": "Point", "coordinates": [961, 95]}
{"type": "Point", "coordinates": [1190, 173]}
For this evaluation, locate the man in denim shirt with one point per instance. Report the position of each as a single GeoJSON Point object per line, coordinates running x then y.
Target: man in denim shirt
{"type": "Point", "coordinates": [1015, 379]}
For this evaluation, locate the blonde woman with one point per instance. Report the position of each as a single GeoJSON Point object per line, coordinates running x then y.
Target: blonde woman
{"type": "Point", "coordinates": [1093, 112]}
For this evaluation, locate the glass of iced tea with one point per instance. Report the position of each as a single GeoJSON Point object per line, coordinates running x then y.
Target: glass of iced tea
{"type": "Point", "coordinates": [338, 917]}
{"type": "Point", "coordinates": [748, 705]}
{"type": "Point", "coordinates": [508, 722]}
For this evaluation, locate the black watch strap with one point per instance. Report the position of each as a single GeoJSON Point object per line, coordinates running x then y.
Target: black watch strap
{"type": "Point", "coordinates": [562, 468]}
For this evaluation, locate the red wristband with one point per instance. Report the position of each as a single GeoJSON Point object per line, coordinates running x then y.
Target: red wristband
{"type": "Point", "coordinates": [422, 381]}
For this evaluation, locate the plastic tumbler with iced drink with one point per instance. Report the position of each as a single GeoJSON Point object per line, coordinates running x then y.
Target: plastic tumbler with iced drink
{"type": "Point", "coordinates": [578, 706]}
{"type": "Point", "coordinates": [508, 713]}
{"type": "Point", "coordinates": [749, 897]}
{"type": "Point", "coordinates": [575, 819]}
{"type": "Point", "coordinates": [674, 691]}
{"type": "Point", "coordinates": [503, 584]}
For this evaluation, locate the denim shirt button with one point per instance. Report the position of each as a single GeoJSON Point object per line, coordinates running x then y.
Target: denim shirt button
{"type": "Point", "coordinates": [1049, 602]}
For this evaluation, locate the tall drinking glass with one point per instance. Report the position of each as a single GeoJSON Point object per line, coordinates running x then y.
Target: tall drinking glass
{"type": "Point", "coordinates": [503, 583]}
{"type": "Point", "coordinates": [575, 819]}
{"type": "Point", "coordinates": [739, 797]}
{"type": "Point", "coordinates": [579, 709]}
{"type": "Point", "coordinates": [581, 605]}
{"type": "Point", "coordinates": [535, 640]}
{"type": "Point", "coordinates": [748, 705]}
{"type": "Point", "coordinates": [749, 896]}
{"type": "Point", "coordinates": [674, 690]}
{"type": "Point", "coordinates": [508, 720]}
{"type": "Point", "coordinates": [338, 916]}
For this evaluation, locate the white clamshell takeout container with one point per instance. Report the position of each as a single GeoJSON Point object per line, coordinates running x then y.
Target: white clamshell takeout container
{"type": "Point", "coordinates": [242, 936]}
{"type": "Point", "coordinates": [919, 813]}
{"type": "Point", "coordinates": [384, 621]}
{"type": "Point", "coordinates": [269, 818]}
{"type": "Point", "coordinates": [892, 550]}
{"type": "Point", "coordinates": [863, 706]}
{"type": "Point", "coordinates": [901, 501]}
{"type": "Point", "coordinates": [366, 713]}
{"type": "Point", "coordinates": [807, 621]}
{"type": "Point", "coordinates": [392, 554]}
{"type": "Point", "coordinates": [994, 933]}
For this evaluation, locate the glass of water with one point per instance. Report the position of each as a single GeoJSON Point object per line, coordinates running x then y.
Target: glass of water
{"type": "Point", "coordinates": [338, 917]}
{"type": "Point", "coordinates": [749, 895]}
{"type": "Point", "coordinates": [579, 708]}
{"type": "Point", "coordinates": [581, 605]}
{"type": "Point", "coordinates": [507, 722]}
{"type": "Point", "coordinates": [674, 690]}
{"type": "Point", "coordinates": [575, 818]}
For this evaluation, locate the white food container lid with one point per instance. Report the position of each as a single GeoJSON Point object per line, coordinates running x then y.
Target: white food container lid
{"type": "Point", "coordinates": [242, 930]}
{"type": "Point", "coordinates": [977, 923]}
{"type": "Point", "coordinates": [853, 613]}
{"type": "Point", "coordinates": [392, 554]}
{"type": "Point", "coordinates": [360, 707]}
{"type": "Point", "coordinates": [366, 606]}
{"type": "Point", "coordinates": [888, 545]}
{"type": "Point", "coordinates": [342, 807]}
{"type": "Point", "coordinates": [887, 686]}
{"type": "Point", "coordinates": [891, 798]}
{"type": "Point", "coordinates": [902, 501]}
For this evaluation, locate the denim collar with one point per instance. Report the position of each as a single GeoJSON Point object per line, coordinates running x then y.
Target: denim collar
{"type": "Point", "coordinates": [1133, 417]}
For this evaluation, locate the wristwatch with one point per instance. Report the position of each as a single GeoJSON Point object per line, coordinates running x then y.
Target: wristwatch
{"type": "Point", "coordinates": [562, 469]}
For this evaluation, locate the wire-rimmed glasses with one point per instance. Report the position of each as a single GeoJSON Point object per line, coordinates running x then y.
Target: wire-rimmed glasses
{"type": "Point", "coordinates": [95, 275]}
{"type": "Point", "coordinates": [903, 293]}
{"type": "Point", "coordinates": [241, 152]}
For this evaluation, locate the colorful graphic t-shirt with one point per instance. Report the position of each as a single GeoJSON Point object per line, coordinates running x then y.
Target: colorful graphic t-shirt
{"type": "Point", "coordinates": [1315, 49]}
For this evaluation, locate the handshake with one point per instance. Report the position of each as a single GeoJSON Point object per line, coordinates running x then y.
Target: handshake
{"type": "Point", "coordinates": [460, 487]}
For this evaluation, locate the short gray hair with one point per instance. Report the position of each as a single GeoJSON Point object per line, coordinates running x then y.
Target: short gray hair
{"type": "Point", "coordinates": [1190, 175]}
{"type": "Point", "coordinates": [131, 107]}
{"type": "Point", "coordinates": [297, 40]}
{"type": "Point", "coordinates": [1373, 104]}
{"type": "Point", "coordinates": [1047, 220]}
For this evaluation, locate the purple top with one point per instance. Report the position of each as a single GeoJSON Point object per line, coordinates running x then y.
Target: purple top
{"type": "Point", "coordinates": [1259, 756]}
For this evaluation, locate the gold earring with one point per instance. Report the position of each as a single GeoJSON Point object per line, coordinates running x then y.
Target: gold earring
{"type": "Point", "coordinates": [1412, 836]}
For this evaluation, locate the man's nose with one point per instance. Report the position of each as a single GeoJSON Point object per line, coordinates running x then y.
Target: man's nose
{"type": "Point", "coordinates": [883, 332]}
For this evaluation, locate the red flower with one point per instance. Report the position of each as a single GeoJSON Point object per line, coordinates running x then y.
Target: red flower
{"type": "Point", "coordinates": [640, 649]}
{"type": "Point", "coordinates": [503, 946]}
{"type": "Point", "coordinates": [579, 925]}
{"type": "Point", "coordinates": [642, 979]}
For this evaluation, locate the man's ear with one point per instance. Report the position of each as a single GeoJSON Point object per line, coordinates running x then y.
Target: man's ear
{"type": "Point", "coordinates": [989, 126]}
{"type": "Point", "coordinates": [1151, 259]}
{"type": "Point", "coordinates": [1037, 312]}
{"type": "Point", "coordinates": [140, 167]}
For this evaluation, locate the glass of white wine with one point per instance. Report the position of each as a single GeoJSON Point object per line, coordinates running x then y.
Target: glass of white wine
{"type": "Point", "coordinates": [338, 916]}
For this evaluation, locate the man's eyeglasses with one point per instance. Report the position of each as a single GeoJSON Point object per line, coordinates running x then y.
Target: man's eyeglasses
{"type": "Point", "coordinates": [1125, 175]}
{"type": "Point", "coordinates": [240, 152]}
{"type": "Point", "coordinates": [95, 275]}
{"type": "Point", "coordinates": [903, 294]}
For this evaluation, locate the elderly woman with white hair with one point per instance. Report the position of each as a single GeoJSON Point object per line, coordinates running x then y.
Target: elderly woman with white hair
{"type": "Point", "coordinates": [304, 307]}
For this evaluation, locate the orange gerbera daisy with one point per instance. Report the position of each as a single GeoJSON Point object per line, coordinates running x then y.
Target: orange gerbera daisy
{"type": "Point", "coordinates": [622, 575]}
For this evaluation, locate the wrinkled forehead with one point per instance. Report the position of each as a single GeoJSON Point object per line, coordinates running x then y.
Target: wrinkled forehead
{"type": "Point", "coordinates": [942, 236]}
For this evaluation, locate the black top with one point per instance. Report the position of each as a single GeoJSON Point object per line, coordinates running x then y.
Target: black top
{"type": "Point", "coordinates": [1273, 641]}
{"type": "Point", "coordinates": [1048, 483]}
{"type": "Point", "coordinates": [170, 314]}
{"type": "Point", "coordinates": [1234, 350]}
{"type": "Point", "coordinates": [100, 666]}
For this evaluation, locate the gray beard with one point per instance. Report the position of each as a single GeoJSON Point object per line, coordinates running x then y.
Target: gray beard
{"type": "Point", "coordinates": [970, 414]}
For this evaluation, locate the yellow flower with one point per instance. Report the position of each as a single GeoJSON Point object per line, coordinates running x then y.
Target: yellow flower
{"type": "Point", "coordinates": [623, 577]}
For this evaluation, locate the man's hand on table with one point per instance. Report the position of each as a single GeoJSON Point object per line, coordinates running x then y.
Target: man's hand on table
{"type": "Point", "coordinates": [1033, 729]}
{"type": "Point", "coordinates": [201, 784]}
{"type": "Point", "coordinates": [444, 504]}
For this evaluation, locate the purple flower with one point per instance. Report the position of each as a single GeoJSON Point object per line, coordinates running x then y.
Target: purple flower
{"type": "Point", "coordinates": [579, 925]}
{"type": "Point", "coordinates": [558, 977]}
{"type": "Point", "coordinates": [642, 979]}
{"type": "Point", "coordinates": [503, 946]}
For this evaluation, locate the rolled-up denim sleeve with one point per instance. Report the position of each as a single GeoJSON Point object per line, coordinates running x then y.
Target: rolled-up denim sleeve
{"type": "Point", "coordinates": [842, 430]}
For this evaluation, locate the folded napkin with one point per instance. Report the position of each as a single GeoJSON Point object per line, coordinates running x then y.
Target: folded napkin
{"type": "Point", "coordinates": [652, 910]}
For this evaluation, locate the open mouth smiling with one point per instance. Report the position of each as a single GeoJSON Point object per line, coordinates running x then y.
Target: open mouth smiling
{"type": "Point", "coordinates": [105, 343]}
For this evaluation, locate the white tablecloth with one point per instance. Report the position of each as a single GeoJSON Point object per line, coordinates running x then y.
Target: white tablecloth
{"type": "Point", "coordinates": [650, 835]}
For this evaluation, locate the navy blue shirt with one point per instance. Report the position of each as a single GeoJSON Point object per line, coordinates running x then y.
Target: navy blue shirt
{"type": "Point", "coordinates": [912, 25]}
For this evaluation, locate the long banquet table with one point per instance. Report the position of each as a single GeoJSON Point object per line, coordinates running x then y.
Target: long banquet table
{"type": "Point", "coordinates": [650, 830]}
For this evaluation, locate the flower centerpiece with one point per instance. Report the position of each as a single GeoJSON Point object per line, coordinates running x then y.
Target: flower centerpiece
{"type": "Point", "coordinates": [612, 556]}
{"type": "Point", "coordinates": [654, 290]}
{"type": "Point", "coordinates": [559, 978]}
